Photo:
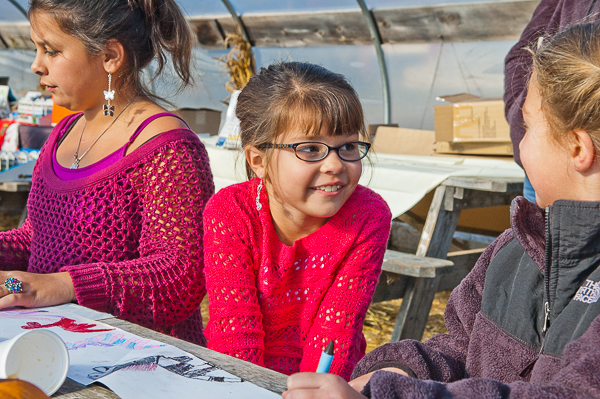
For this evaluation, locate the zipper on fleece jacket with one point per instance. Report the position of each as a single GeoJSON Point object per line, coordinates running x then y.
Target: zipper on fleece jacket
{"type": "Point", "coordinates": [527, 370]}
{"type": "Point", "coordinates": [547, 304]}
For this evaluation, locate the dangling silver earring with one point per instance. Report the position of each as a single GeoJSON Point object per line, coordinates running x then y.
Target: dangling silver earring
{"type": "Point", "coordinates": [109, 95]}
{"type": "Point", "coordinates": [258, 204]}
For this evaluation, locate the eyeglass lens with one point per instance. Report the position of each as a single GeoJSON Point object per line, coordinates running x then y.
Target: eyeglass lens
{"type": "Point", "coordinates": [317, 151]}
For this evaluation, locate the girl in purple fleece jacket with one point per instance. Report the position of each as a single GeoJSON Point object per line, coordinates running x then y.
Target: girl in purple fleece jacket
{"type": "Point", "coordinates": [525, 323]}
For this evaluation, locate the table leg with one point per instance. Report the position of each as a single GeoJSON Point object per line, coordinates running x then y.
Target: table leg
{"type": "Point", "coordinates": [435, 242]}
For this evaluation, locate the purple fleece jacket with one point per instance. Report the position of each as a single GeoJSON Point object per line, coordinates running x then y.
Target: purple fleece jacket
{"type": "Point", "coordinates": [549, 17]}
{"type": "Point", "coordinates": [476, 359]}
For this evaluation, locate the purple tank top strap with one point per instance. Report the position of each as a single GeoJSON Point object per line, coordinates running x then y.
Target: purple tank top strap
{"type": "Point", "coordinates": [150, 120]}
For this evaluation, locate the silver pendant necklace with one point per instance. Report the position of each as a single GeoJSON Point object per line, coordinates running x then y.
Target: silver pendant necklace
{"type": "Point", "coordinates": [76, 157]}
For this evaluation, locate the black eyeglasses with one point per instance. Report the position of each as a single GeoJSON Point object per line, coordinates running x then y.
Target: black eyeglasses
{"type": "Point", "coordinates": [311, 151]}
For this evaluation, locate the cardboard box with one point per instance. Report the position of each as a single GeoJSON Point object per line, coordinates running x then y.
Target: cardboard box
{"type": "Point", "coordinates": [478, 124]}
{"type": "Point", "coordinates": [201, 120]}
{"type": "Point", "coordinates": [395, 140]}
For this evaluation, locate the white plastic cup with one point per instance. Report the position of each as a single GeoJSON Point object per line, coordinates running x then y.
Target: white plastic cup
{"type": "Point", "coordinates": [36, 356]}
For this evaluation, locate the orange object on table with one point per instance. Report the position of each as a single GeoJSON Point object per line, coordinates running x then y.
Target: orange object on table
{"type": "Point", "coordinates": [59, 112]}
{"type": "Point", "coordinates": [17, 389]}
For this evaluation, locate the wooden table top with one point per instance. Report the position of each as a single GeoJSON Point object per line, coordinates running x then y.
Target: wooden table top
{"type": "Point", "coordinates": [260, 376]}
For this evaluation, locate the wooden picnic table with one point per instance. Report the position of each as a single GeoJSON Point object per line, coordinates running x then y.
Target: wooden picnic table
{"type": "Point", "coordinates": [418, 284]}
{"type": "Point", "coordinates": [260, 376]}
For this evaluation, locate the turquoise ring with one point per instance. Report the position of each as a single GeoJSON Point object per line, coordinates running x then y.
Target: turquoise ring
{"type": "Point", "coordinates": [13, 285]}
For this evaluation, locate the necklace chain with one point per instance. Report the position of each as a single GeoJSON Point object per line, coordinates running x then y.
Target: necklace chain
{"type": "Point", "coordinates": [76, 157]}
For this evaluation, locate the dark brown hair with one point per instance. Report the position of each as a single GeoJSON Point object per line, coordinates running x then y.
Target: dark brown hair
{"type": "Point", "coordinates": [147, 29]}
{"type": "Point", "coordinates": [295, 95]}
{"type": "Point", "coordinates": [567, 73]}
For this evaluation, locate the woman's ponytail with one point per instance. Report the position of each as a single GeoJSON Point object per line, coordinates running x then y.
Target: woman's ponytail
{"type": "Point", "coordinates": [169, 33]}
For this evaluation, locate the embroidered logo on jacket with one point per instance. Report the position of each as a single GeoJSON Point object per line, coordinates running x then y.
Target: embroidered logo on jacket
{"type": "Point", "coordinates": [589, 292]}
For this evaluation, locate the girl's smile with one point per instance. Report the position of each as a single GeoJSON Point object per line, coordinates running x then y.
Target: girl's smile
{"type": "Point", "coordinates": [306, 194]}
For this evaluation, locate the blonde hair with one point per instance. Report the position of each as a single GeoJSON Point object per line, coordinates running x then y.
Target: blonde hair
{"type": "Point", "coordinates": [566, 69]}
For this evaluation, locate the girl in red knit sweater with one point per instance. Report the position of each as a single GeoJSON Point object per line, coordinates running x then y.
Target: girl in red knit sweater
{"type": "Point", "coordinates": [293, 255]}
{"type": "Point", "coordinates": [115, 208]}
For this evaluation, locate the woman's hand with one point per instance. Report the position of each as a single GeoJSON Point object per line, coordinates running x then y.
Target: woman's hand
{"type": "Point", "coordinates": [319, 385]}
{"type": "Point", "coordinates": [38, 290]}
{"type": "Point", "coordinates": [359, 383]}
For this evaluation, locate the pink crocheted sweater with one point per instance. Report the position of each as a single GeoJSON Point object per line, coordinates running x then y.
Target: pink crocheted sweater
{"type": "Point", "coordinates": [278, 306]}
{"type": "Point", "coordinates": [130, 236]}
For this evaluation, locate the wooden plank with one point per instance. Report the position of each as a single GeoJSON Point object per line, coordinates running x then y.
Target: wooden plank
{"type": "Point", "coordinates": [463, 264]}
{"type": "Point", "coordinates": [413, 265]}
{"type": "Point", "coordinates": [299, 29]}
{"type": "Point", "coordinates": [463, 22]}
{"type": "Point", "coordinates": [16, 35]}
{"type": "Point", "coordinates": [390, 286]}
{"type": "Point", "coordinates": [418, 296]}
{"type": "Point", "coordinates": [413, 313]}
{"type": "Point", "coordinates": [459, 198]}
{"type": "Point", "coordinates": [496, 185]}
{"type": "Point", "coordinates": [499, 20]}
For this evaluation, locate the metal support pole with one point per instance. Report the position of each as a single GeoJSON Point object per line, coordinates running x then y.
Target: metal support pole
{"type": "Point", "coordinates": [237, 20]}
{"type": "Point", "coordinates": [14, 3]}
{"type": "Point", "coordinates": [385, 83]}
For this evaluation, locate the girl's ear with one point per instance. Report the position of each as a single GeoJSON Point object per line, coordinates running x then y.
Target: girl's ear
{"type": "Point", "coordinates": [114, 56]}
{"type": "Point", "coordinates": [256, 160]}
{"type": "Point", "coordinates": [583, 153]}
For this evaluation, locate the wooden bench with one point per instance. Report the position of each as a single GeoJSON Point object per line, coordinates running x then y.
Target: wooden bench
{"type": "Point", "coordinates": [410, 277]}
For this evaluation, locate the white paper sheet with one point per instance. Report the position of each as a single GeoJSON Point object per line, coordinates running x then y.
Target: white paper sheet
{"type": "Point", "coordinates": [402, 180]}
{"type": "Point", "coordinates": [131, 366]}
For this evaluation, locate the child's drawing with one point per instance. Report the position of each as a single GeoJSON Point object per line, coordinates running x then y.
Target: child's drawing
{"type": "Point", "coordinates": [113, 339]}
{"type": "Point", "coordinates": [67, 325]}
{"type": "Point", "coordinates": [178, 365]}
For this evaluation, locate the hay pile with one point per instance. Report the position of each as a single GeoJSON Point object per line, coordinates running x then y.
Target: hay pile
{"type": "Point", "coordinates": [381, 317]}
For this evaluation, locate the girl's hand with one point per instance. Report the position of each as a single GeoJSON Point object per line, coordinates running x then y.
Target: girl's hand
{"type": "Point", "coordinates": [319, 385]}
{"type": "Point", "coordinates": [359, 383]}
{"type": "Point", "coordinates": [38, 289]}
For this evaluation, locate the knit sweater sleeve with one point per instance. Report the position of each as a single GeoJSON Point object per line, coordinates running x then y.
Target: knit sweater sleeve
{"type": "Point", "coordinates": [15, 248]}
{"type": "Point", "coordinates": [343, 309]}
{"type": "Point", "coordinates": [165, 284]}
{"type": "Point", "coordinates": [576, 378]}
{"type": "Point", "coordinates": [443, 357]}
{"type": "Point", "coordinates": [235, 324]}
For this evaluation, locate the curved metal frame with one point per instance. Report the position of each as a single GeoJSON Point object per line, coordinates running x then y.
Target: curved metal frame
{"type": "Point", "coordinates": [237, 19]}
{"type": "Point", "coordinates": [385, 83]}
{"type": "Point", "coordinates": [18, 6]}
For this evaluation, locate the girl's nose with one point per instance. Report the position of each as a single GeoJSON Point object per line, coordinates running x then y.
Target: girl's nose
{"type": "Point", "coordinates": [37, 66]}
{"type": "Point", "coordinates": [332, 163]}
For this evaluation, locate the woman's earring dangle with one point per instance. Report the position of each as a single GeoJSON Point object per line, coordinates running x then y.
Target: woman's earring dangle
{"type": "Point", "coordinates": [109, 110]}
{"type": "Point", "coordinates": [258, 204]}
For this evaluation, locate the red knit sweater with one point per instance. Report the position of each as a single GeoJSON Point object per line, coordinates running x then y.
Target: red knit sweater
{"type": "Point", "coordinates": [130, 236]}
{"type": "Point", "coordinates": [277, 305]}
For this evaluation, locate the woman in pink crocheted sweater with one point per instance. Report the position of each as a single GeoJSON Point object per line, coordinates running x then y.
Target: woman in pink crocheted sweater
{"type": "Point", "coordinates": [115, 209]}
{"type": "Point", "coordinates": [292, 257]}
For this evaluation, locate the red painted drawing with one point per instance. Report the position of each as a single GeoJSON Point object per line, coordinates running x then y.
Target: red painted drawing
{"type": "Point", "coordinates": [67, 325]}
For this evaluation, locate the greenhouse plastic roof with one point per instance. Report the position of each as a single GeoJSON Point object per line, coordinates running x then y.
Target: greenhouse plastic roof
{"type": "Point", "coordinates": [296, 23]}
